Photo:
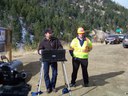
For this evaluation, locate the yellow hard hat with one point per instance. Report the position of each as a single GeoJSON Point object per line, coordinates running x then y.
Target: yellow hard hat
{"type": "Point", "coordinates": [80, 30]}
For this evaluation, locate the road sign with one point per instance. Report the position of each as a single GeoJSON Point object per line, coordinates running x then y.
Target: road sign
{"type": "Point", "coordinates": [118, 30]}
{"type": "Point", "coordinates": [6, 41]}
{"type": "Point", "coordinates": [2, 39]}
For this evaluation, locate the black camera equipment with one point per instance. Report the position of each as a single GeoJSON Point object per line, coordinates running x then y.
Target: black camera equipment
{"type": "Point", "coordinates": [13, 79]}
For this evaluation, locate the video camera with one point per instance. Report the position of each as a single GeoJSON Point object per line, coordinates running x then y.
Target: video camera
{"type": "Point", "coordinates": [13, 79]}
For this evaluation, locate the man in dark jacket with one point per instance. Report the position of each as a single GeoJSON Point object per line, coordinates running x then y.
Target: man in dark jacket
{"type": "Point", "coordinates": [50, 43]}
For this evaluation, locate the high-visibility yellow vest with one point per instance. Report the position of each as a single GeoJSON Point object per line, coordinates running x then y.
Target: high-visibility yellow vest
{"type": "Point", "coordinates": [80, 51]}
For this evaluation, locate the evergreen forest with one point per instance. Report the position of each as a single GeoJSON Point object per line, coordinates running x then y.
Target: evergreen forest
{"type": "Point", "coordinates": [62, 16]}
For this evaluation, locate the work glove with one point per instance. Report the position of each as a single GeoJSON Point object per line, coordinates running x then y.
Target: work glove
{"type": "Point", "coordinates": [75, 58]}
{"type": "Point", "coordinates": [71, 52]}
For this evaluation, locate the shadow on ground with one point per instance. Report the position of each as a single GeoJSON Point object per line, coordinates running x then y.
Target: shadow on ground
{"type": "Point", "coordinates": [100, 80]}
{"type": "Point", "coordinates": [97, 80]}
{"type": "Point", "coordinates": [33, 67]}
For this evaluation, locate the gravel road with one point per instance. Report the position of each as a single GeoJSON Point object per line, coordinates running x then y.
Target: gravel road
{"type": "Point", "coordinates": [108, 71]}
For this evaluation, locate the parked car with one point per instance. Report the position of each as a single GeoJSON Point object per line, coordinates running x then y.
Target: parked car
{"type": "Point", "coordinates": [121, 37]}
{"type": "Point", "coordinates": [112, 39]}
{"type": "Point", "coordinates": [125, 41]}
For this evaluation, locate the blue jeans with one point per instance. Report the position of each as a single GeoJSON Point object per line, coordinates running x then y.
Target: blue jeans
{"type": "Point", "coordinates": [50, 83]}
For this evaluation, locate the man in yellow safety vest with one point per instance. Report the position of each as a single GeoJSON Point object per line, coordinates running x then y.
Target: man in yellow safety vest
{"type": "Point", "coordinates": [79, 49]}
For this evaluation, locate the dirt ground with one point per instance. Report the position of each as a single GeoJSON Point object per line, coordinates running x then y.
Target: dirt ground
{"type": "Point", "coordinates": [108, 71]}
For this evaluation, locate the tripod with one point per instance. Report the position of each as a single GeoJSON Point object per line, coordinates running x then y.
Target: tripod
{"type": "Point", "coordinates": [39, 92]}
{"type": "Point", "coordinates": [39, 82]}
{"type": "Point", "coordinates": [53, 56]}
{"type": "Point", "coordinates": [66, 80]}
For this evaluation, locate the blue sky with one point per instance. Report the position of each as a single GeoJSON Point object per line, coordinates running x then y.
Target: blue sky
{"type": "Point", "coordinates": [122, 2]}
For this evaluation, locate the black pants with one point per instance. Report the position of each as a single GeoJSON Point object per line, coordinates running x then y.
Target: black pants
{"type": "Point", "coordinates": [84, 64]}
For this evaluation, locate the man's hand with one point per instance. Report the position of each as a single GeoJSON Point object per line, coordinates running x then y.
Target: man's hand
{"type": "Point", "coordinates": [39, 52]}
{"type": "Point", "coordinates": [85, 51]}
{"type": "Point", "coordinates": [88, 49]}
{"type": "Point", "coordinates": [71, 52]}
